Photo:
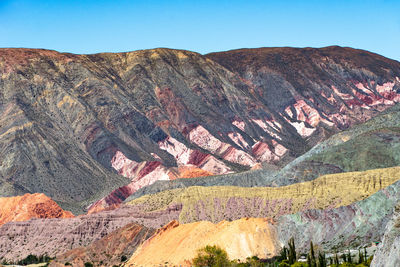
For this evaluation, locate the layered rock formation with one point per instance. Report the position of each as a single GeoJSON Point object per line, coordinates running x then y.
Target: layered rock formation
{"type": "Point", "coordinates": [139, 114]}
{"type": "Point", "coordinates": [373, 144]}
{"type": "Point", "coordinates": [388, 253]}
{"type": "Point", "coordinates": [333, 229]}
{"type": "Point", "coordinates": [56, 236]}
{"type": "Point", "coordinates": [359, 224]}
{"type": "Point", "coordinates": [109, 250]}
{"type": "Point", "coordinates": [332, 194]}
{"type": "Point", "coordinates": [177, 244]}
{"type": "Point", "coordinates": [229, 203]}
{"type": "Point", "coordinates": [29, 206]}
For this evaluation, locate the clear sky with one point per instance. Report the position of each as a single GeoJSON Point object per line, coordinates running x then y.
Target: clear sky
{"type": "Point", "coordinates": [201, 26]}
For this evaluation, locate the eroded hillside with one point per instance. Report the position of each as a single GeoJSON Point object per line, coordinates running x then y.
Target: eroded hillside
{"type": "Point", "coordinates": [82, 122]}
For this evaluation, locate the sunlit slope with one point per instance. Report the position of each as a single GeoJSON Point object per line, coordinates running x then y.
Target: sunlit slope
{"type": "Point", "coordinates": [178, 244]}
{"type": "Point", "coordinates": [28, 206]}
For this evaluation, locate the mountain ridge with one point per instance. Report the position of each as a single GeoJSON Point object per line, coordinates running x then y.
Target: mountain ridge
{"type": "Point", "coordinates": [141, 114]}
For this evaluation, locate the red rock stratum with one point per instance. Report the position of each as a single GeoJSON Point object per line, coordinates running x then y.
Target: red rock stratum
{"type": "Point", "coordinates": [28, 206]}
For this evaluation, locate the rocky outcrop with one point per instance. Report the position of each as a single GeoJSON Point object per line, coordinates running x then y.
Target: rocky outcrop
{"type": "Point", "coordinates": [29, 206]}
{"type": "Point", "coordinates": [57, 236]}
{"type": "Point", "coordinates": [78, 121]}
{"type": "Point", "coordinates": [388, 253]}
{"type": "Point", "coordinates": [370, 145]}
{"type": "Point", "coordinates": [359, 224]}
{"type": "Point", "coordinates": [109, 250]}
{"type": "Point", "coordinates": [230, 203]}
{"type": "Point", "coordinates": [177, 244]}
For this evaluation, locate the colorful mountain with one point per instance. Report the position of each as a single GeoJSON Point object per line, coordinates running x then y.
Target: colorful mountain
{"type": "Point", "coordinates": [78, 121]}
{"type": "Point", "coordinates": [365, 146]}
{"type": "Point", "coordinates": [217, 203]}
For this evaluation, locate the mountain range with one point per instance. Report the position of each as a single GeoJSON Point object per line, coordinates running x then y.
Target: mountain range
{"type": "Point", "coordinates": [305, 137]}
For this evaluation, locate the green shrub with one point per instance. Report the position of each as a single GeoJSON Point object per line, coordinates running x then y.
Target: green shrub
{"type": "Point", "coordinates": [211, 256]}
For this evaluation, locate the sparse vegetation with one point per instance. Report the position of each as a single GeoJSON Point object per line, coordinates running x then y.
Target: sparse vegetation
{"type": "Point", "coordinates": [213, 256]}
{"type": "Point", "coordinates": [30, 259]}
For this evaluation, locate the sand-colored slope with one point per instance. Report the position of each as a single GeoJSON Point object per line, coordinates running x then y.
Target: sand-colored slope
{"type": "Point", "coordinates": [178, 244]}
{"type": "Point", "coordinates": [229, 202]}
{"type": "Point", "coordinates": [28, 206]}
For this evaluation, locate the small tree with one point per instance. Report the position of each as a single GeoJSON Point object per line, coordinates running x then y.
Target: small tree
{"type": "Point", "coordinates": [311, 257]}
{"type": "Point", "coordinates": [321, 260]}
{"type": "Point", "coordinates": [365, 255]}
{"type": "Point", "coordinates": [211, 256]}
{"type": "Point", "coordinates": [283, 254]}
{"type": "Point", "coordinates": [349, 257]}
{"type": "Point", "coordinates": [336, 259]}
{"type": "Point", "coordinates": [360, 257]}
{"type": "Point", "coordinates": [292, 251]}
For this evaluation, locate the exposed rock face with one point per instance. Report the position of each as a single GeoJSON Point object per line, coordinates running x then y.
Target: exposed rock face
{"type": "Point", "coordinates": [28, 206]}
{"type": "Point", "coordinates": [388, 252]}
{"type": "Point", "coordinates": [108, 250]}
{"type": "Point", "coordinates": [178, 244]}
{"type": "Point", "coordinates": [370, 145]}
{"type": "Point", "coordinates": [350, 226]}
{"type": "Point", "coordinates": [354, 225]}
{"type": "Point", "coordinates": [138, 114]}
{"type": "Point", "coordinates": [56, 236]}
{"type": "Point", "coordinates": [230, 203]}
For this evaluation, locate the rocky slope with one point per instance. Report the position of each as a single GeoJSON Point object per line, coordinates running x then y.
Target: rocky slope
{"type": "Point", "coordinates": [28, 206]}
{"type": "Point", "coordinates": [108, 250]}
{"type": "Point", "coordinates": [80, 120]}
{"type": "Point", "coordinates": [351, 226]}
{"type": "Point", "coordinates": [57, 236]}
{"type": "Point", "coordinates": [373, 144]}
{"type": "Point", "coordinates": [388, 253]}
{"type": "Point", "coordinates": [219, 203]}
{"type": "Point", "coordinates": [369, 145]}
{"type": "Point", "coordinates": [178, 244]}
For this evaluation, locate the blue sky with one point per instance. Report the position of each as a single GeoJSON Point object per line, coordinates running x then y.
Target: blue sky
{"type": "Point", "coordinates": [201, 26]}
